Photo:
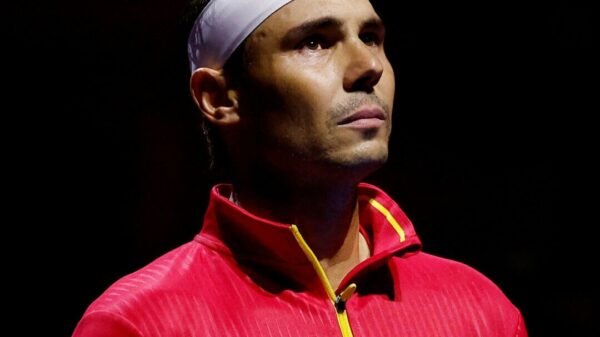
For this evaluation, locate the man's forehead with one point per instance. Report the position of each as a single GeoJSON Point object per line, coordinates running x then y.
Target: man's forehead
{"type": "Point", "coordinates": [298, 12]}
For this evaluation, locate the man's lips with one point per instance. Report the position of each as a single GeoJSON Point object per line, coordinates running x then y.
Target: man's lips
{"type": "Point", "coordinates": [365, 118]}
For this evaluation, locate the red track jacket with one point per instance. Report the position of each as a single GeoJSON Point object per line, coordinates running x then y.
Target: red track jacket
{"type": "Point", "coordinates": [247, 276]}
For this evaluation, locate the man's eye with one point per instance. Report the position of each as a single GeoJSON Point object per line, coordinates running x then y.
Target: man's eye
{"type": "Point", "coordinates": [370, 39]}
{"type": "Point", "coordinates": [312, 43]}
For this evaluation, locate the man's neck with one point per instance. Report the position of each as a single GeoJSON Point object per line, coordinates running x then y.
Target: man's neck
{"type": "Point", "coordinates": [327, 218]}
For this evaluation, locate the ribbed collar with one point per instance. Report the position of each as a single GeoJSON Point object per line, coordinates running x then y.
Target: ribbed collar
{"type": "Point", "coordinates": [261, 245]}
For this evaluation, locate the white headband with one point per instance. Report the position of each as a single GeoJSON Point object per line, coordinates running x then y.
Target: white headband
{"type": "Point", "coordinates": [222, 26]}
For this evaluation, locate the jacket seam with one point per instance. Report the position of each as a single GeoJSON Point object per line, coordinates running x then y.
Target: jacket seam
{"type": "Point", "coordinates": [120, 318]}
{"type": "Point", "coordinates": [213, 244]}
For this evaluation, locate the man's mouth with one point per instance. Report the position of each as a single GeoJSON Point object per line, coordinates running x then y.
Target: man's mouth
{"type": "Point", "coordinates": [365, 118]}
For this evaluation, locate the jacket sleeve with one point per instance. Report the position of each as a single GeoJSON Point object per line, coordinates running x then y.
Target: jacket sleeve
{"type": "Point", "coordinates": [105, 324]}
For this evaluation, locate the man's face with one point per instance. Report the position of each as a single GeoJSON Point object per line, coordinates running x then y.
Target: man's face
{"type": "Point", "coordinates": [320, 87]}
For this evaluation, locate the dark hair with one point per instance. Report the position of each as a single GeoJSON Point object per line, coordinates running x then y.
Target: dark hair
{"type": "Point", "coordinates": [234, 70]}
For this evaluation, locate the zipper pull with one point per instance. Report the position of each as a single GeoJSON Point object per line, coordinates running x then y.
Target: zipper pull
{"type": "Point", "coordinates": [342, 298]}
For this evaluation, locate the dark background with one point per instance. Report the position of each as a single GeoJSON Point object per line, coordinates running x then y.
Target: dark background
{"type": "Point", "coordinates": [490, 151]}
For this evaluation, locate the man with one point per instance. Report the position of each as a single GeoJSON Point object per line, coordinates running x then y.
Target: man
{"type": "Point", "coordinates": [299, 93]}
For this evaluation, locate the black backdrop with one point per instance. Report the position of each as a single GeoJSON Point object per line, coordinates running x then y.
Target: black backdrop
{"type": "Point", "coordinates": [489, 136]}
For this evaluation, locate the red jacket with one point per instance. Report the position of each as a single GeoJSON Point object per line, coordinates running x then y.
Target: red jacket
{"type": "Point", "coordinates": [248, 276]}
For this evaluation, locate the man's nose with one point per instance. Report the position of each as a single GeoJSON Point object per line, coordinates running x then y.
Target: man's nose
{"type": "Point", "coordinates": [364, 67]}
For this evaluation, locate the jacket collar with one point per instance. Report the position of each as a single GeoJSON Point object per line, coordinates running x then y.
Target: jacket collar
{"type": "Point", "coordinates": [260, 244]}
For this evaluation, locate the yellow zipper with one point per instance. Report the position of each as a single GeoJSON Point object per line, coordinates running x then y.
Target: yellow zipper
{"type": "Point", "coordinates": [338, 302]}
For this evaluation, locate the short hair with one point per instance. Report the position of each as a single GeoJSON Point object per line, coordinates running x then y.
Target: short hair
{"type": "Point", "coordinates": [234, 71]}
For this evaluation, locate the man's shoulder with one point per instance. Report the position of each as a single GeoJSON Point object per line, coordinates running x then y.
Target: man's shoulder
{"type": "Point", "coordinates": [456, 289]}
{"type": "Point", "coordinates": [448, 277]}
{"type": "Point", "coordinates": [172, 275]}
{"type": "Point", "coordinates": [184, 278]}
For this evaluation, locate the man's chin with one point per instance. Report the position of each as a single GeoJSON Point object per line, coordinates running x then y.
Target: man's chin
{"type": "Point", "coordinates": [364, 164]}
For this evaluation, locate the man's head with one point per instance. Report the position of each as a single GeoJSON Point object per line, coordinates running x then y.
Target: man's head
{"type": "Point", "coordinates": [314, 100]}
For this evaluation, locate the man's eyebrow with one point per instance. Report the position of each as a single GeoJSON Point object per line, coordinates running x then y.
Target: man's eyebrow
{"type": "Point", "coordinates": [374, 23]}
{"type": "Point", "coordinates": [326, 22]}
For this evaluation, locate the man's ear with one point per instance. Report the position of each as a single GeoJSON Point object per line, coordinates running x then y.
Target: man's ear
{"type": "Point", "coordinates": [218, 103]}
